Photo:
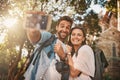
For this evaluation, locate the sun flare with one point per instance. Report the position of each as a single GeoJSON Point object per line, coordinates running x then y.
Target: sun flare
{"type": "Point", "coordinates": [10, 22]}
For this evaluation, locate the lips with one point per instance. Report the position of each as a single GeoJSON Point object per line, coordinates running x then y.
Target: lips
{"type": "Point", "coordinates": [75, 41]}
{"type": "Point", "coordinates": [63, 34]}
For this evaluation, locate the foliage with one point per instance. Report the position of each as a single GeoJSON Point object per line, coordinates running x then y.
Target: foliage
{"type": "Point", "coordinates": [92, 23]}
{"type": "Point", "coordinates": [112, 6]}
{"type": "Point", "coordinates": [3, 6]}
{"type": "Point", "coordinates": [80, 5]}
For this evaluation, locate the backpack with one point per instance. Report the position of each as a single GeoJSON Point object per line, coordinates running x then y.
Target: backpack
{"type": "Point", "coordinates": [100, 64]}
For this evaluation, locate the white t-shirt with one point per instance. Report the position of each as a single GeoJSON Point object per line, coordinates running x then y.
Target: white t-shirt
{"type": "Point", "coordinates": [84, 62]}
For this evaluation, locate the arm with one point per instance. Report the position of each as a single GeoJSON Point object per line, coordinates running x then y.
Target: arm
{"type": "Point", "coordinates": [59, 50]}
{"type": "Point", "coordinates": [33, 30]}
{"type": "Point", "coordinates": [73, 72]}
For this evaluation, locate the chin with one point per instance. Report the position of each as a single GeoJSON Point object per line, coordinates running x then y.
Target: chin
{"type": "Point", "coordinates": [63, 37]}
{"type": "Point", "coordinates": [76, 44]}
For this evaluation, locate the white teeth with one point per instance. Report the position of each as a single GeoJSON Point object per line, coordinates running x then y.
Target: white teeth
{"type": "Point", "coordinates": [63, 33]}
{"type": "Point", "coordinates": [76, 40]}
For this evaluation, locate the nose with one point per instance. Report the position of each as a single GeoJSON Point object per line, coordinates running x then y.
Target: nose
{"type": "Point", "coordinates": [76, 37]}
{"type": "Point", "coordinates": [64, 29]}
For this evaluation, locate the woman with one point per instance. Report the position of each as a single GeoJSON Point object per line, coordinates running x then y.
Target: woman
{"type": "Point", "coordinates": [82, 64]}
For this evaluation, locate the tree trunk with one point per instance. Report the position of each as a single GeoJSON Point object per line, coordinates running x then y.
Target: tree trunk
{"type": "Point", "coordinates": [13, 67]}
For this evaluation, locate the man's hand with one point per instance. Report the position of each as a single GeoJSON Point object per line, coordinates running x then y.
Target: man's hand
{"type": "Point", "coordinates": [59, 50]}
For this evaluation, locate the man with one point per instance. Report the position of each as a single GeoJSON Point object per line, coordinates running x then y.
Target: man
{"type": "Point", "coordinates": [44, 67]}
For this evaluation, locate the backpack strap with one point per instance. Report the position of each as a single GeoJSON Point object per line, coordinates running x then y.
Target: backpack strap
{"type": "Point", "coordinates": [50, 44]}
{"type": "Point", "coordinates": [45, 44]}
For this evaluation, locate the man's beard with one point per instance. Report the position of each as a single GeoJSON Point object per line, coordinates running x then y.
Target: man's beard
{"type": "Point", "coordinates": [62, 36]}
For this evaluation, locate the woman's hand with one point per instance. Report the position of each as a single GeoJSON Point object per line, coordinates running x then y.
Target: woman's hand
{"type": "Point", "coordinates": [58, 47]}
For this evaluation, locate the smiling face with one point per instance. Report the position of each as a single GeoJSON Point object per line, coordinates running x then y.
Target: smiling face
{"type": "Point", "coordinates": [77, 37]}
{"type": "Point", "coordinates": [63, 29]}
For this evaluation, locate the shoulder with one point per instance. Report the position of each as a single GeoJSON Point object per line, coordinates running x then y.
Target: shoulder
{"type": "Point", "coordinates": [85, 49]}
{"type": "Point", "coordinates": [45, 33]}
{"type": "Point", "coordinates": [44, 36]}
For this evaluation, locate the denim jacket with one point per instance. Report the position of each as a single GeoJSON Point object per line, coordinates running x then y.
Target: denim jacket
{"type": "Point", "coordinates": [36, 71]}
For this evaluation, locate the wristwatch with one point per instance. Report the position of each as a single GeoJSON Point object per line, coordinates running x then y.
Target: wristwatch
{"type": "Point", "coordinates": [65, 59]}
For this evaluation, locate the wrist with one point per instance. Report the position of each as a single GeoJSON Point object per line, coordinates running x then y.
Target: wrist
{"type": "Point", "coordinates": [65, 57]}
{"type": "Point", "coordinates": [69, 53]}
